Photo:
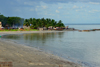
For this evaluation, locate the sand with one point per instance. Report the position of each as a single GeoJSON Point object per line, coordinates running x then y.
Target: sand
{"type": "Point", "coordinates": [25, 56]}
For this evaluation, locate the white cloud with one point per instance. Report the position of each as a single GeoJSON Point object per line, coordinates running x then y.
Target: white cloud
{"type": "Point", "coordinates": [81, 7]}
{"type": "Point", "coordinates": [49, 14]}
{"type": "Point", "coordinates": [94, 3]}
{"type": "Point", "coordinates": [75, 6]}
{"type": "Point", "coordinates": [93, 11]}
{"type": "Point", "coordinates": [59, 7]}
{"type": "Point", "coordinates": [87, 6]}
{"type": "Point", "coordinates": [96, 10]}
{"type": "Point", "coordinates": [44, 7]}
{"type": "Point", "coordinates": [57, 11]}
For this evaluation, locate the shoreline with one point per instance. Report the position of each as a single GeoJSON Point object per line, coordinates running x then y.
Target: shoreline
{"type": "Point", "coordinates": [25, 32]}
{"type": "Point", "coordinates": [25, 56]}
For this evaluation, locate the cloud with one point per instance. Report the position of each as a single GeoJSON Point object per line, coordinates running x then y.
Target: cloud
{"type": "Point", "coordinates": [77, 10]}
{"type": "Point", "coordinates": [81, 7]}
{"type": "Point", "coordinates": [57, 11]}
{"type": "Point", "coordinates": [31, 9]}
{"type": "Point", "coordinates": [44, 7]}
{"type": "Point", "coordinates": [94, 11]}
{"type": "Point", "coordinates": [30, 3]}
{"type": "Point", "coordinates": [66, 1]}
{"type": "Point", "coordinates": [49, 14]}
{"type": "Point", "coordinates": [59, 7]}
{"type": "Point", "coordinates": [94, 3]}
{"type": "Point", "coordinates": [50, 8]}
{"type": "Point", "coordinates": [75, 6]}
{"type": "Point", "coordinates": [78, 7]}
{"type": "Point", "coordinates": [58, 1]}
{"type": "Point", "coordinates": [17, 10]}
{"type": "Point", "coordinates": [36, 9]}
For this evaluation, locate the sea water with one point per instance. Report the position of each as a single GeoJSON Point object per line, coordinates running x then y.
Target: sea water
{"type": "Point", "coordinates": [84, 27]}
{"type": "Point", "coordinates": [79, 47]}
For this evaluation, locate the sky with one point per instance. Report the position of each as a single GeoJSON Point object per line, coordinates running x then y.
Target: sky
{"type": "Point", "coordinates": [69, 11]}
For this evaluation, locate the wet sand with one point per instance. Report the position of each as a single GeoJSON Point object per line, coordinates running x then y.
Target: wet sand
{"type": "Point", "coordinates": [24, 56]}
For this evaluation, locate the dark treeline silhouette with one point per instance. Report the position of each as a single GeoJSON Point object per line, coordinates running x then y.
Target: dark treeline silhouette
{"type": "Point", "coordinates": [32, 22]}
{"type": "Point", "coordinates": [35, 23]}
{"type": "Point", "coordinates": [10, 21]}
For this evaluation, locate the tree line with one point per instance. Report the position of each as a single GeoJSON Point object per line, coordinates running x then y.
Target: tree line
{"type": "Point", "coordinates": [35, 23]}
{"type": "Point", "coordinates": [32, 22]}
{"type": "Point", "coordinates": [10, 21]}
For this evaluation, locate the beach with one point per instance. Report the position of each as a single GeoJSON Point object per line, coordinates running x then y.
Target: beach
{"type": "Point", "coordinates": [25, 56]}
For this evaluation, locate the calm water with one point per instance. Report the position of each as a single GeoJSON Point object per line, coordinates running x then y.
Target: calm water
{"type": "Point", "coordinates": [84, 27]}
{"type": "Point", "coordinates": [81, 47]}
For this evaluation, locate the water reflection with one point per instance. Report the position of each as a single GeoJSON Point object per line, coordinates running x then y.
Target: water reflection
{"type": "Point", "coordinates": [33, 37]}
{"type": "Point", "coordinates": [11, 36]}
{"type": "Point", "coordinates": [84, 46]}
{"type": "Point", "coordinates": [42, 36]}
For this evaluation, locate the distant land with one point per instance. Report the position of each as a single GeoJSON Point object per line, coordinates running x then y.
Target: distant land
{"type": "Point", "coordinates": [82, 24]}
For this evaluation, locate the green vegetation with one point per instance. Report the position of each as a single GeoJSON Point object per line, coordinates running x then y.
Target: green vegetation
{"type": "Point", "coordinates": [18, 30]}
{"type": "Point", "coordinates": [10, 21]}
{"type": "Point", "coordinates": [35, 23]}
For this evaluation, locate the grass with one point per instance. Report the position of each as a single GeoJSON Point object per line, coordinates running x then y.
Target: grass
{"type": "Point", "coordinates": [18, 30]}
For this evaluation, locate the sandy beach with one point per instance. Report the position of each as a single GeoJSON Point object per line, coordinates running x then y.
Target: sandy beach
{"type": "Point", "coordinates": [24, 56]}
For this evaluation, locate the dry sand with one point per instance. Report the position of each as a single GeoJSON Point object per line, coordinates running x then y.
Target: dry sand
{"type": "Point", "coordinates": [24, 56]}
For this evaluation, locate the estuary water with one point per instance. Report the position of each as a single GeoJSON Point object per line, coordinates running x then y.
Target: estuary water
{"type": "Point", "coordinates": [79, 47]}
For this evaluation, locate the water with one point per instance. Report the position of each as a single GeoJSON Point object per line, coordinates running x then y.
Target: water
{"type": "Point", "coordinates": [84, 27]}
{"type": "Point", "coordinates": [80, 47]}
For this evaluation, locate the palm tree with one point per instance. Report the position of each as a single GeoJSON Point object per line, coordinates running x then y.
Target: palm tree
{"type": "Point", "coordinates": [26, 22]}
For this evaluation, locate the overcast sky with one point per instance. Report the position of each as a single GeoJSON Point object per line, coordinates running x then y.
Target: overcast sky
{"type": "Point", "coordinates": [69, 11]}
